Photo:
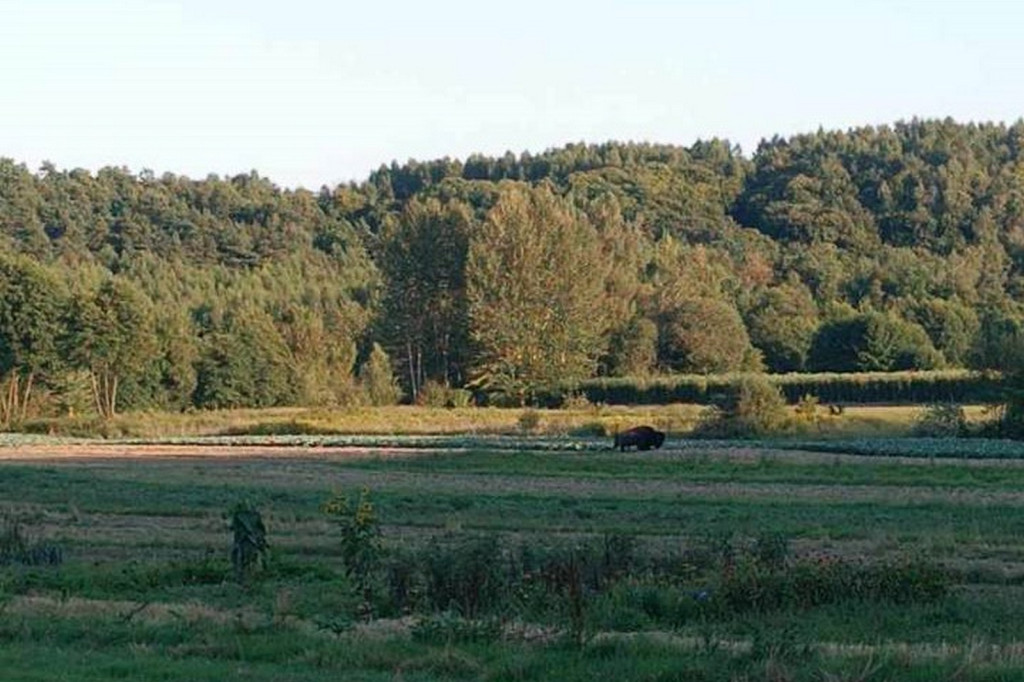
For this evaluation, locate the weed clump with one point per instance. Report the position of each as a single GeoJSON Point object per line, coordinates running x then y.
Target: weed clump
{"type": "Point", "coordinates": [435, 394]}
{"type": "Point", "coordinates": [529, 420]}
{"type": "Point", "coordinates": [16, 547]}
{"type": "Point", "coordinates": [942, 420]}
{"type": "Point", "coordinates": [804, 584]}
{"type": "Point", "coordinates": [466, 576]}
{"type": "Point", "coordinates": [249, 546]}
{"type": "Point", "coordinates": [807, 409]}
{"type": "Point", "coordinates": [464, 587]}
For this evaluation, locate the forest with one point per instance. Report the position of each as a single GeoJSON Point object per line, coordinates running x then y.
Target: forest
{"type": "Point", "coordinates": [876, 249]}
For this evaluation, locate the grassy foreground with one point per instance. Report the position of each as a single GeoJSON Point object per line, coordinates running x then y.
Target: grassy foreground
{"type": "Point", "coordinates": [702, 561]}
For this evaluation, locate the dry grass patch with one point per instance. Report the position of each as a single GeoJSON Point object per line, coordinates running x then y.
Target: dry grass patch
{"type": "Point", "coordinates": [385, 420]}
{"type": "Point", "coordinates": [152, 612]}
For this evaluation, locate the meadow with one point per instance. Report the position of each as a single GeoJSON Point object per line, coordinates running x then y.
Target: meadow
{"type": "Point", "coordinates": [513, 550]}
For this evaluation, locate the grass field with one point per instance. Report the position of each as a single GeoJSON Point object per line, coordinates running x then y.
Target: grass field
{"type": "Point", "coordinates": [516, 557]}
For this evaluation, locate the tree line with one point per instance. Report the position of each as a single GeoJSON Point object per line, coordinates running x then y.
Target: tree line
{"type": "Point", "coordinates": [873, 249]}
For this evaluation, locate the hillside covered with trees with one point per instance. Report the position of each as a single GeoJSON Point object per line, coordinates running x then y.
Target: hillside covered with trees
{"type": "Point", "coordinates": [874, 249]}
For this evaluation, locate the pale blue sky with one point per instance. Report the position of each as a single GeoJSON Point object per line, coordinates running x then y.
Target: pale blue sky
{"type": "Point", "coordinates": [312, 93]}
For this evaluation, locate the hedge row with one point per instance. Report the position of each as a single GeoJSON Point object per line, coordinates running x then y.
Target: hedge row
{"type": "Point", "coordinates": [941, 386]}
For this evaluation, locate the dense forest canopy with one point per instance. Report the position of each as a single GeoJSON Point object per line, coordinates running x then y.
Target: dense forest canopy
{"type": "Point", "coordinates": [876, 248]}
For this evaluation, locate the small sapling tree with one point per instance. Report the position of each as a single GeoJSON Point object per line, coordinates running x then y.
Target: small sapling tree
{"type": "Point", "coordinates": [360, 540]}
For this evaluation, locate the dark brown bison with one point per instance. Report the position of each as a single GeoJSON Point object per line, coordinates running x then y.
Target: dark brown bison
{"type": "Point", "coordinates": [640, 437]}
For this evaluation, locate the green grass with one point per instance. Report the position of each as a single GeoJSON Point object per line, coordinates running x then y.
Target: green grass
{"type": "Point", "coordinates": [703, 463]}
{"type": "Point", "coordinates": [144, 591]}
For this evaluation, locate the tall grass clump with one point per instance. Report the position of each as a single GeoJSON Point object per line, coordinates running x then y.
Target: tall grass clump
{"type": "Point", "coordinates": [249, 547]}
{"type": "Point", "coordinates": [435, 394]}
{"type": "Point", "coordinates": [17, 547]}
{"type": "Point", "coordinates": [529, 420]}
{"type": "Point", "coordinates": [467, 575]}
{"type": "Point", "coordinates": [755, 585]}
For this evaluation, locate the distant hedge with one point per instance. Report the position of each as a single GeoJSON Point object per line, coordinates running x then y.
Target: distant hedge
{"type": "Point", "coordinates": [956, 386]}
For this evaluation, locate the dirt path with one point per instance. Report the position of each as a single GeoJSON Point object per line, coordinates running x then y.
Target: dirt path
{"type": "Point", "coordinates": [38, 452]}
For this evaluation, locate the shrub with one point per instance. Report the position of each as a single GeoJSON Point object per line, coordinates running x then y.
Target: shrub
{"type": "Point", "coordinates": [378, 380]}
{"type": "Point", "coordinates": [529, 420]}
{"type": "Point", "coordinates": [432, 394]}
{"type": "Point", "coordinates": [360, 534]}
{"type": "Point", "coordinates": [404, 583]}
{"type": "Point", "coordinates": [249, 547]}
{"type": "Point", "coordinates": [435, 394]}
{"type": "Point", "coordinates": [361, 549]}
{"type": "Point", "coordinates": [576, 400]}
{"type": "Point", "coordinates": [757, 407]}
{"type": "Point", "coordinates": [807, 409]}
{"type": "Point", "coordinates": [466, 577]}
{"type": "Point", "coordinates": [771, 549]}
{"type": "Point", "coordinates": [760, 406]}
{"type": "Point", "coordinates": [942, 420]}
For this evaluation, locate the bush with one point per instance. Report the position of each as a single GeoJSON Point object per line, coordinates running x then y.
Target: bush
{"type": "Point", "coordinates": [249, 548]}
{"type": "Point", "coordinates": [757, 407]}
{"type": "Point", "coordinates": [360, 534]}
{"type": "Point", "coordinates": [576, 400]}
{"type": "Point", "coordinates": [435, 394]}
{"type": "Point", "coordinates": [942, 420]}
{"type": "Point", "coordinates": [771, 549]}
{"type": "Point", "coordinates": [529, 420]}
{"type": "Point", "coordinates": [467, 578]}
{"type": "Point", "coordinates": [807, 409]}
{"type": "Point", "coordinates": [378, 380]}
{"type": "Point", "coordinates": [760, 406]}
{"type": "Point", "coordinates": [404, 583]}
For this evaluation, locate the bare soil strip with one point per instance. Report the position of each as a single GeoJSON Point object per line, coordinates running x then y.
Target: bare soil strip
{"type": "Point", "coordinates": [36, 452]}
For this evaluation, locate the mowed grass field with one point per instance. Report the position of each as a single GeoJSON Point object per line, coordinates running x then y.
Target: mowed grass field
{"type": "Point", "coordinates": [677, 564]}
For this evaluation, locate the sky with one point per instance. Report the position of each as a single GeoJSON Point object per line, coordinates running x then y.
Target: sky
{"type": "Point", "coordinates": [311, 93]}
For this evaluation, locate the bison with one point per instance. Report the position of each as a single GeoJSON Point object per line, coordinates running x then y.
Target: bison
{"type": "Point", "coordinates": [640, 437]}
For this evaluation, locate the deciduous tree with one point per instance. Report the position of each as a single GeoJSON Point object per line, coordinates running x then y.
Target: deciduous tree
{"type": "Point", "coordinates": [536, 286]}
{"type": "Point", "coordinates": [32, 302]}
{"type": "Point", "coordinates": [111, 334]}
